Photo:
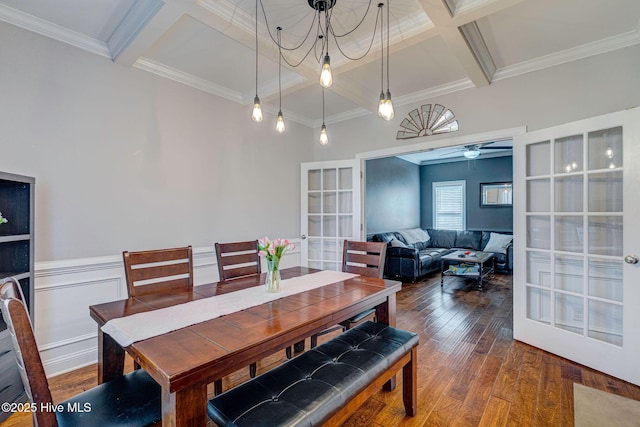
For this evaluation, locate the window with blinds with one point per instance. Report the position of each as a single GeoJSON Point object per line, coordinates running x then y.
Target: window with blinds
{"type": "Point", "coordinates": [449, 210]}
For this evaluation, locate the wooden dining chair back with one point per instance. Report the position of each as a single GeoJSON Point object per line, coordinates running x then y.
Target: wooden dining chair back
{"type": "Point", "coordinates": [132, 400]}
{"type": "Point", "coordinates": [238, 259]}
{"type": "Point", "coordinates": [364, 258]}
{"type": "Point", "coordinates": [32, 373]}
{"type": "Point", "coordinates": [159, 270]}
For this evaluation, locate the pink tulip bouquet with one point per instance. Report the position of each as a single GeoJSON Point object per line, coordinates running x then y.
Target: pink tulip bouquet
{"type": "Point", "coordinates": [273, 250]}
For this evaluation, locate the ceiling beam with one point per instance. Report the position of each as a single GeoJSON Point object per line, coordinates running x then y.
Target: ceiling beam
{"type": "Point", "coordinates": [439, 13]}
{"type": "Point", "coordinates": [139, 41]}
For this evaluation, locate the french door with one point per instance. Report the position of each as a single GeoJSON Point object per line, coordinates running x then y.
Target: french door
{"type": "Point", "coordinates": [577, 242]}
{"type": "Point", "coordinates": [330, 211]}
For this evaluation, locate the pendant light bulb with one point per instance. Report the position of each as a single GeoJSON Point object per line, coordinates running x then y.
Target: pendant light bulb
{"type": "Point", "coordinates": [326, 79]}
{"type": "Point", "coordinates": [324, 140]}
{"type": "Point", "coordinates": [381, 106]}
{"type": "Point", "coordinates": [256, 115]}
{"type": "Point", "coordinates": [280, 123]}
{"type": "Point", "coordinates": [387, 107]}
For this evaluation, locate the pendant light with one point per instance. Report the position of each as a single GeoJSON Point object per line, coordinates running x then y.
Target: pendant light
{"type": "Point", "coordinates": [256, 114]}
{"type": "Point", "coordinates": [318, 36]}
{"type": "Point", "coordinates": [280, 122]}
{"type": "Point", "coordinates": [326, 79]}
{"type": "Point", "coordinates": [381, 104]}
{"type": "Point", "coordinates": [385, 110]}
{"type": "Point", "coordinates": [324, 139]}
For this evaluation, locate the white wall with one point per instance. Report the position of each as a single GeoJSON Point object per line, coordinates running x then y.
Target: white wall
{"type": "Point", "coordinates": [127, 160]}
{"type": "Point", "coordinates": [577, 90]}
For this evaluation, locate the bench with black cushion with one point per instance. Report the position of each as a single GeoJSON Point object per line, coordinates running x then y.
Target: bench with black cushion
{"type": "Point", "coordinates": [326, 384]}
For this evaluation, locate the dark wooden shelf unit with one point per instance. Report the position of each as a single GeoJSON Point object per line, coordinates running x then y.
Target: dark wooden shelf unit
{"type": "Point", "coordinates": [17, 260]}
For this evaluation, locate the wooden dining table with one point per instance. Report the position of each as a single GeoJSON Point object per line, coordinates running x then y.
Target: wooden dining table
{"type": "Point", "coordinates": [184, 361]}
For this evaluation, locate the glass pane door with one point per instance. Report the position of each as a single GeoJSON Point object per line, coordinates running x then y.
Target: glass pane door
{"type": "Point", "coordinates": [574, 184]}
{"type": "Point", "coordinates": [330, 211]}
{"type": "Point", "coordinates": [576, 242]}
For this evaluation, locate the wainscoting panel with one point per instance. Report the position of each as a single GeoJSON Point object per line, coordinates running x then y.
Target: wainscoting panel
{"type": "Point", "coordinates": [64, 290]}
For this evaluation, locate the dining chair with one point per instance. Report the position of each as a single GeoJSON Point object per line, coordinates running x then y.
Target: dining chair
{"type": "Point", "coordinates": [365, 259]}
{"type": "Point", "coordinates": [241, 259]}
{"type": "Point", "coordinates": [159, 270]}
{"type": "Point", "coordinates": [238, 259]}
{"type": "Point", "coordinates": [131, 400]}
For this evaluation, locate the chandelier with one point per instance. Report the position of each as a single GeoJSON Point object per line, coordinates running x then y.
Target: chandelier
{"type": "Point", "coordinates": [319, 40]}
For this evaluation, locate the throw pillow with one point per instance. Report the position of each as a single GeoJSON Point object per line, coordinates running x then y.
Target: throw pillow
{"type": "Point", "coordinates": [395, 243]}
{"type": "Point", "coordinates": [415, 235]}
{"type": "Point", "coordinates": [498, 243]}
{"type": "Point", "coordinates": [443, 238]}
{"type": "Point", "coordinates": [468, 239]}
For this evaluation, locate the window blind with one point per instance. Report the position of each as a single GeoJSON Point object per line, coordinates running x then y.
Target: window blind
{"type": "Point", "coordinates": [449, 205]}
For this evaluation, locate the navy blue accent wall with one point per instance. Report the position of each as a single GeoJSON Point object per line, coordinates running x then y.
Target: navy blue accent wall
{"type": "Point", "coordinates": [392, 200]}
{"type": "Point", "coordinates": [496, 169]}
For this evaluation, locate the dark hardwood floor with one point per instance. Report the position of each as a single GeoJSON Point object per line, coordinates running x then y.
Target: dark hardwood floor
{"type": "Point", "coordinates": [470, 372]}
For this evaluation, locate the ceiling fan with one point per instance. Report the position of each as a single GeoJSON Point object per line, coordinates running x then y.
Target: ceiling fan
{"type": "Point", "coordinates": [472, 151]}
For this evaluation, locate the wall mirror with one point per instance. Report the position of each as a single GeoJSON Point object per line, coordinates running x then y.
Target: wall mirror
{"type": "Point", "coordinates": [496, 194]}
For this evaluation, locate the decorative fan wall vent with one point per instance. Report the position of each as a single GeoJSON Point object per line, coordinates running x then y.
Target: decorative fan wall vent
{"type": "Point", "coordinates": [428, 120]}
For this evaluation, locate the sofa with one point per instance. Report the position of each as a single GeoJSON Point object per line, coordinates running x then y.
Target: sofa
{"type": "Point", "coordinates": [416, 252]}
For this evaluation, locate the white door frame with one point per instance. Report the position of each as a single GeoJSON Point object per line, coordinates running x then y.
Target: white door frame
{"type": "Point", "coordinates": [478, 138]}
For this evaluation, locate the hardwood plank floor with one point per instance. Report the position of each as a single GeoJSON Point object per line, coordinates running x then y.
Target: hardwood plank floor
{"type": "Point", "coordinates": [470, 370]}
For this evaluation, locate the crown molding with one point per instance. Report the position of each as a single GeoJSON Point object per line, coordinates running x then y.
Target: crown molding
{"type": "Point", "coordinates": [56, 32]}
{"type": "Point", "coordinates": [558, 58]}
{"type": "Point", "coordinates": [433, 92]}
{"type": "Point", "coordinates": [187, 79]}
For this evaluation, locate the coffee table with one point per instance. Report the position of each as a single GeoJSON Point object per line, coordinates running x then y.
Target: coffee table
{"type": "Point", "coordinates": [483, 264]}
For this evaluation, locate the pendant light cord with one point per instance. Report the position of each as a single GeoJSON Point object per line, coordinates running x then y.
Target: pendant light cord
{"type": "Point", "coordinates": [279, 68]}
{"type": "Point", "coordinates": [381, 49]}
{"type": "Point", "coordinates": [256, 47]}
{"type": "Point", "coordinates": [388, 7]}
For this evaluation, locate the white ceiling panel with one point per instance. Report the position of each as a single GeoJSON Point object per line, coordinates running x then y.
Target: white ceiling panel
{"type": "Point", "coordinates": [196, 49]}
{"type": "Point", "coordinates": [427, 64]}
{"type": "Point", "coordinates": [307, 102]}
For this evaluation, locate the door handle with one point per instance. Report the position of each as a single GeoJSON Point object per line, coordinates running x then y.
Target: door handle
{"type": "Point", "coordinates": [631, 259]}
{"type": "Point", "coordinates": [304, 236]}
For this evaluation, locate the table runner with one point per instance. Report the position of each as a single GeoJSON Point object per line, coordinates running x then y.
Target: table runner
{"type": "Point", "coordinates": [140, 326]}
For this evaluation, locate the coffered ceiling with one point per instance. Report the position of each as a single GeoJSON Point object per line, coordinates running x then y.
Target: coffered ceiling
{"type": "Point", "coordinates": [437, 46]}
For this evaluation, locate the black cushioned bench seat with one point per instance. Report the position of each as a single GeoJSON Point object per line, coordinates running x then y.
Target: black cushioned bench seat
{"type": "Point", "coordinates": [316, 387]}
